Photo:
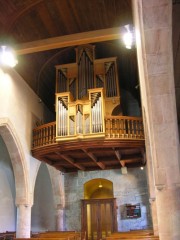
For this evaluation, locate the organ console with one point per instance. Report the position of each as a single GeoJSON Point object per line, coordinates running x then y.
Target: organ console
{"type": "Point", "coordinates": [87, 91]}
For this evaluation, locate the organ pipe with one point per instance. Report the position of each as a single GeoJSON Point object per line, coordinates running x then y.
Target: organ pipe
{"type": "Point", "coordinates": [62, 119]}
{"type": "Point", "coordinates": [62, 80]}
{"type": "Point", "coordinates": [85, 74]}
{"type": "Point", "coordinates": [111, 88]}
{"type": "Point", "coordinates": [97, 119]}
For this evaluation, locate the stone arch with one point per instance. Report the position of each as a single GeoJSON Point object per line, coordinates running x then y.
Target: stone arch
{"type": "Point", "coordinates": [17, 157]}
{"type": "Point", "coordinates": [57, 186]}
{"type": "Point", "coordinates": [56, 178]}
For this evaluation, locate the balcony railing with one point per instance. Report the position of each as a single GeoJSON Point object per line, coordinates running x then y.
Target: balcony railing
{"type": "Point", "coordinates": [44, 135]}
{"type": "Point", "coordinates": [124, 127]}
{"type": "Point", "coordinates": [118, 127]}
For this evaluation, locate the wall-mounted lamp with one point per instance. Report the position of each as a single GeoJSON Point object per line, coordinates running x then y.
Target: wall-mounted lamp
{"type": "Point", "coordinates": [7, 57]}
{"type": "Point", "coordinates": [128, 36]}
{"type": "Point", "coordinates": [124, 170]}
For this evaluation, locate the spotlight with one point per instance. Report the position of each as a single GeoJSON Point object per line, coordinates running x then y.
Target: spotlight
{"type": "Point", "coordinates": [7, 58]}
{"type": "Point", "coordinates": [124, 170]}
{"type": "Point", "coordinates": [128, 36]}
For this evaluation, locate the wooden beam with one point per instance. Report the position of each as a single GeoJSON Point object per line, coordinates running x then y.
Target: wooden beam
{"type": "Point", "coordinates": [45, 160]}
{"type": "Point", "coordinates": [51, 163]}
{"type": "Point", "coordinates": [118, 155]}
{"type": "Point", "coordinates": [58, 166]}
{"type": "Point", "coordinates": [143, 156]}
{"type": "Point", "coordinates": [71, 161]}
{"type": "Point", "coordinates": [136, 159]}
{"type": "Point", "coordinates": [68, 40]}
{"type": "Point", "coordinates": [91, 155]}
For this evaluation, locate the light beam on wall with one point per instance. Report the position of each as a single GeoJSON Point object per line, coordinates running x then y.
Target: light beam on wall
{"type": "Point", "coordinates": [7, 57]}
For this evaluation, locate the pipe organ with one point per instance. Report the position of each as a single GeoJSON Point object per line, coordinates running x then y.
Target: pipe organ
{"type": "Point", "coordinates": [86, 92]}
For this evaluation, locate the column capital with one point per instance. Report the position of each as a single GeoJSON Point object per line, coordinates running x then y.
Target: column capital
{"type": "Point", "coordinates": [160, 187]}
{"type": "Point", "coordinates": [151, 200]}
{"type": "Point", "coordinates": [60, 207]}
{"type": "Point", "coordinates": [26, 205]}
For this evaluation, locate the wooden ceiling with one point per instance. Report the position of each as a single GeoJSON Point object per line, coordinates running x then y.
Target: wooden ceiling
{"type": "Point", "coordinates": [33, 20]}
{"type": "Point", "coordinates": [30, 20]}
{"type": "Point", "coordinates": [93, 154]}
{"type": "Point", "coordinates": [23, 21]}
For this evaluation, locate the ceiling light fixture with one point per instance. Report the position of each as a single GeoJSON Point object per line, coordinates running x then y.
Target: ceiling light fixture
{"type": "Point", "coordinates": [128, 36]}
{"type": "Point", "coordinates": [7, 57]}
{"type": "Point", "coordinates": [100, 185]}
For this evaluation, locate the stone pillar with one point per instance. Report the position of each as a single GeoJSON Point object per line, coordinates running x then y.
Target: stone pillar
{"type": "Point", "coordinates": [153, 24]}
{"type": "Point", "coordinates": [152, 190]}
{"type": "Point", "coordinates": [168, 212]}
{"type": "Point", "coordinates": [59, 219]}
{"type": "Point", "coordinates": [154, 216]}
{"type": "Point", "coordinates": [23, 228]}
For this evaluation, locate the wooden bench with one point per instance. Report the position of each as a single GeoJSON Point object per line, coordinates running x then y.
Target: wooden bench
{"type": "Point", "coordinates": [136, 234]}
{"type": "Point", "coordinates": [51, 234]}
{"type": "Point", "coordinates": [7, 235]}
{"type": "Point", "coordinates": [134, 238]}
{"type": "Point", "coordinates": [74, 235]}
{"type": "Point", "coordinates": [2, 236]}
{"type": "Point", "coordinates": [60, 232]}
{"type": "Point", "coordinates": [131, 236]}
{"type": "Point", "coordinates": [39, 238]}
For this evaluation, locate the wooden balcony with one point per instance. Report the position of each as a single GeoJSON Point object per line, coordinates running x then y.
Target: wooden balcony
{"type": "Point", "coordinates": [120, 144]}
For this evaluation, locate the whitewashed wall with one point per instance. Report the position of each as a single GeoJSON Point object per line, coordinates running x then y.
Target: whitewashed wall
{"type": "Point", "coordinates": [20, 106]}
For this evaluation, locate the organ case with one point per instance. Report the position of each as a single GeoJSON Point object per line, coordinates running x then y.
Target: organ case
{"type": "Point", "coordinates": [86, 92]}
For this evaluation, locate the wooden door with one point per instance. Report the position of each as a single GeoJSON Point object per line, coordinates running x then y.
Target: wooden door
{"type": "Point", "coordinates": [99, 218]}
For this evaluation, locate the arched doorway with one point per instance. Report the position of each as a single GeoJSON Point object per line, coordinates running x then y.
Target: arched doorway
{"type": "Point", "coordinates": [98, 209]}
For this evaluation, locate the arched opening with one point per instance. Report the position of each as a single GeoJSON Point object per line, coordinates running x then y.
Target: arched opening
{"type": "Point", "coordinates": [98, 188]}
{"type": "Point", "coordinates": [98, 209]}
{"type": "Point", "coordinates": [7, 191]}
{"type": "Point", "coordinates": [43, 210]}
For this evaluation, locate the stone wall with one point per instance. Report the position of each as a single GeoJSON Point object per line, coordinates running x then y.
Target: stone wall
{"type": "Point", "coordinates": [128, 188]}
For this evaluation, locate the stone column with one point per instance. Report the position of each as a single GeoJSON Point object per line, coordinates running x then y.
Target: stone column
{"type": "Point", "coordinates": [168, 212]}
{"type": "Point", "coordinates": [153, 23]}
{"type": "Point", "coordinates": [152, 190]}
{"type": "Point", "coordinates": [23, 228]}
{"type": "Point", "coordinates": [59, 219]}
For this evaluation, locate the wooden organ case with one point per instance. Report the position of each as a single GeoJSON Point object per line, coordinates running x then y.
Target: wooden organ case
{"type": "Point", "coordinates": [87, 91]}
